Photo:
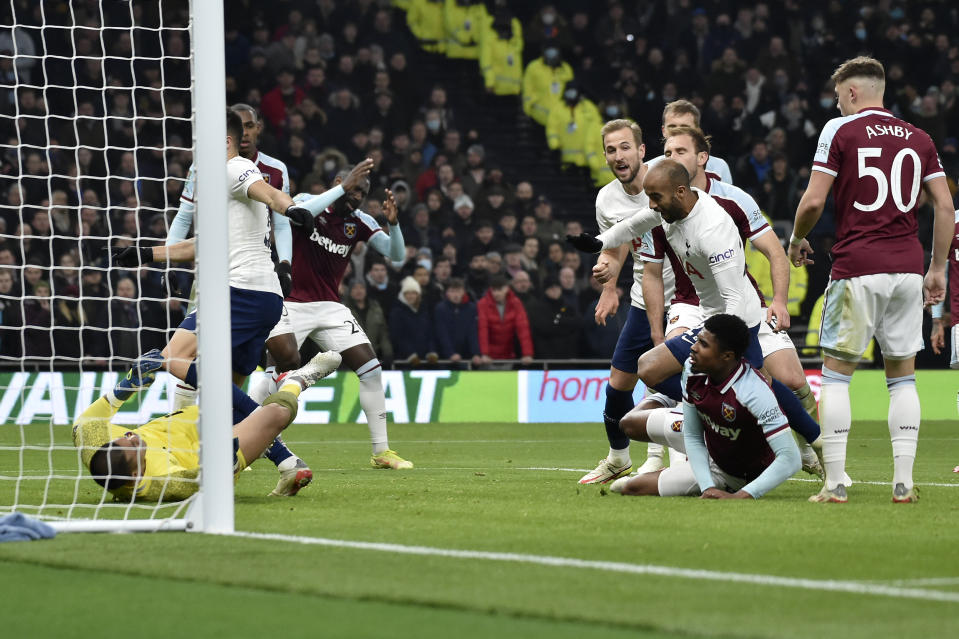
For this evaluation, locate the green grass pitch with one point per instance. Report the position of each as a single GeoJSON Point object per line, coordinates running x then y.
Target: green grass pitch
{"type": "Point", "coordinates": [871, 569]}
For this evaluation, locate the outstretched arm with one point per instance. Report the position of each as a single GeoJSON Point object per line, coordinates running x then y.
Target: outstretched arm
{"type": "Point", "coordinates": [786, 464]}
{"type": "Point", "coordinates": [273, 197]}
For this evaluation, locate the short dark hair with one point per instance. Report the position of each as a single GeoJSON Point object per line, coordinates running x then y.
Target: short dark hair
{"type": "Point", "coordinates": [498, 281]}
{"type": "Point", "coordinates": [234, 127]}
{"type": "Point", "coordinates": [110, 467]}
{"type": "Point", "coordinates": [241, 107]}
{"type": "Point", "coordinates": [456, 282]}
{"type": "Point", "coordinates": [730, 331]}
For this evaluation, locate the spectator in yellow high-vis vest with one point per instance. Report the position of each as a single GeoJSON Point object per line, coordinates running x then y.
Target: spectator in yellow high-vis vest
{"type": "Point", "coordinates": [501, 54]}
{"type": "Point", "coordinates": [427, 22]}
{"type": "Point", "coordinates": [465, 21]}
{"type": "Point", "coordinates": [571, 125]}
{"type": "Point", "coordinates": [543, 83]}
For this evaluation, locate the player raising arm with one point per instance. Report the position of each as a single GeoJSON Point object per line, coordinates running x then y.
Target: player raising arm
{"type": "Point", "coordinates": [875, 164]}
{"type": "Point", "coordinates": [322, 244]}
{"type": "Point", "coordinates": [159, 461]}
{"type": "Point", "coordinates": [730, 425]}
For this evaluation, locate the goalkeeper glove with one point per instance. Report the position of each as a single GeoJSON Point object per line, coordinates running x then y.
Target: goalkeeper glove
{"type": "Point", "coordinates": [140, 376]}
{"type": "Point", "coordinates": [285, 275]}
{"type": "Point", "coordinates": [133, 256]}
{"type": "Point", "coordinates": [299, 215]}
{"type": "Point", "coordinates": [585, 243]}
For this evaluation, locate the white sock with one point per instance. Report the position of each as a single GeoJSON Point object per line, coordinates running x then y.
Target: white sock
{"type": "Point", "coordinates": [183, 395]}
{"type": "Point", "coordinates": [836, 415]}
{"type": "Point", "coordinates": [373, 403]}
{"type": "Point", "coordinates": [904, 417]}
{"type": "Point", "coordinates": [676, 457]}
{"type": "Point", "coordinates": [620, 456]}
{"type": "Point", "coordinates": [655, 450]}
{"type": "Point", "coordinates": [265, 386]}
{"type": "Point", "coordinates": [287, 464]}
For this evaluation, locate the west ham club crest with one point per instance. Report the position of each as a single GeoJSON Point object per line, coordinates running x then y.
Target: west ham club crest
{"type": "Point", "coordinates": [350, 229]}
{"type": "Point", "coordinates": [729, 413]}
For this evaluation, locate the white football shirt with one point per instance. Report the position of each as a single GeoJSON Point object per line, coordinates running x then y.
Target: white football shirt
{"type": "Point", "coordinates": [613, 204]}
{"type": "Point", "coordinates": [708, 244]}
{"type": "Point", "coordinates": [251, 266]}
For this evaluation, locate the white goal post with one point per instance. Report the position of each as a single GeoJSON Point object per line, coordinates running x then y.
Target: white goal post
{"type": "Point", "coordinates": [71, 86]}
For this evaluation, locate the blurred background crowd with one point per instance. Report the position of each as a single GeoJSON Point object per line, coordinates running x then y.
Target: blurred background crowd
{"type": "Point", "coordinates": [483, 119]}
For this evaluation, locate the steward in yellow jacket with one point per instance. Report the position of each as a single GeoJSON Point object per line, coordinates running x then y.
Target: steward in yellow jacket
{"type": "Point", "coordinates": [543, 83]}
{"type": "Point", "coordinates": [501, 55]}
{"type": "Point", "coordinates": [465, 21]}
{"type": "Point", "coordinates": [427, 21]}
{"type": "Point", "coordinates": [572, 125]}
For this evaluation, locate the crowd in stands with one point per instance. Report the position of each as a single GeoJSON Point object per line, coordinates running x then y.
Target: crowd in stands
{"type": "Point", "coordinates": [488, 275]}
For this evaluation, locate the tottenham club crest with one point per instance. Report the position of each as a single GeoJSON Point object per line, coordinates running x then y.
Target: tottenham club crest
{"type": "Point", "coordinates": [729, 413]}
{"type": "Point", "coordinates": [350, 229]}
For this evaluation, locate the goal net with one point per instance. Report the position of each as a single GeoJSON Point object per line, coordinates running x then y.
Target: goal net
{"type": "Point", "coordinates": [97, 110]}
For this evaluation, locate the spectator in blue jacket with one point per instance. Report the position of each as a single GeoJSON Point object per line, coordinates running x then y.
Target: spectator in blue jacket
{"type": "Point", "coordinates": [455, 324]}
{"type": "Point", "coordinates": [411, 329]}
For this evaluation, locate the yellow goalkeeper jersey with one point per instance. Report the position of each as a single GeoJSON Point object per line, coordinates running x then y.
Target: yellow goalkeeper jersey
{"type": "Point", "coordinates": [172, 456]}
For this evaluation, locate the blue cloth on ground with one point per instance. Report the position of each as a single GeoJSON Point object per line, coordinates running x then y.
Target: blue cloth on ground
{"type": "Point", "coordinates": [19, 527]}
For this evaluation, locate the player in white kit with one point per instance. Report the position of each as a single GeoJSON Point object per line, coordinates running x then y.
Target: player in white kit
{"type": "Point", "coordinates": [685, 113]}
{"type": "Point", "coordinates": [618, 200]}
{"type": "Point", "coordinates": [690, 147]}
{"type": "Point", "coordinates": [710, 251]}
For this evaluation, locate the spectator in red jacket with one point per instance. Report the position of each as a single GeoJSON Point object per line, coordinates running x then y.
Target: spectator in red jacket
{"type": "Point", "coordinates": [285, 96]}
{"type": "Point", "coordinates": [502, 321]}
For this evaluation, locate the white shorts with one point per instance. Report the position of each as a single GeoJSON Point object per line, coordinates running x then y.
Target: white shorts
{"type": "Point", "coordinates": [683, 315]}
{"type": "Point", "coordinates": [770, 341]}
{"type": "Point", "coordinates": [887, 306]}
{"type": "Point", "coordinates": [665, 426]}
{"type": "Point", "coordinates": [330, 324]}
{"type": "Point", "coordinates": [679, 480]}
{"type": "Point", "coordinates": [954, 362]}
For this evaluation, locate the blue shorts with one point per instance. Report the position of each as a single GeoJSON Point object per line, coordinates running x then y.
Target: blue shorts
{"type": "Point", "coordinates": [253, 314]}
{"type": "Point", "coordinates": [680, 345]}
{"type": "Point", "coordinates": [634, 340]}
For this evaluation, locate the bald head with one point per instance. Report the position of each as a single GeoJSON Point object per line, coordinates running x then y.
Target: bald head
{"type": "Point", "coordinates": [667, 186]}
{"type": "Point", "coordinates": [674, 174]}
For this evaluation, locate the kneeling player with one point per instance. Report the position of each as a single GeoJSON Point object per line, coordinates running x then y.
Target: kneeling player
{"type": "Point", "coordinates": [731, 427]}
{"type": "Point", "coordinates": [159, 461]}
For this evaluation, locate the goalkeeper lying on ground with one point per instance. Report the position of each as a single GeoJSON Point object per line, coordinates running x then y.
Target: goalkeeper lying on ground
{"type": "Point", "coordinates": [160, 461]}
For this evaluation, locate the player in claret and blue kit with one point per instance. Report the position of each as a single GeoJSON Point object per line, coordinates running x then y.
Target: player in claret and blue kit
{"type": "Point", "coordinates": [937, 337]}
{"type": "Point", "coordinates": [730, 425]}
{"type": "Point", "coordinates": [875, 165]}
{"type": "Point", "coordinates": [326, 229]}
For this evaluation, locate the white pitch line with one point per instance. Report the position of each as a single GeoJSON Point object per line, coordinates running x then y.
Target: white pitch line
{"type": "Point", "coordinates": [802, 479]}
{"type": "Point", "coordinates": [928, 581]}
{"type": "Point", "coordinates": [850, 587]}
